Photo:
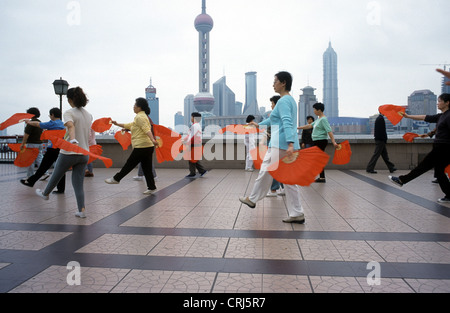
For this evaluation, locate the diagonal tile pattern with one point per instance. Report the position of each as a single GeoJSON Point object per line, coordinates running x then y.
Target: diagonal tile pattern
{"type": "Point", "coordinates": [194, 236]}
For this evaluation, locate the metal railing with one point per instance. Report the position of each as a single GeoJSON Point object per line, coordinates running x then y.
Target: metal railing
{"type": "Point", "coordinates": [6, 154]}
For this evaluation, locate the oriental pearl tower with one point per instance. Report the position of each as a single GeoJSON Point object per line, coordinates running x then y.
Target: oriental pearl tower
{"type": "Point", "coordinates": [204, 100]}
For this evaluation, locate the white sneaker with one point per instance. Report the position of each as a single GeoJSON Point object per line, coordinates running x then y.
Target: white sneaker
{"type": "Point", "coordinates": [149, 192]}
{"type": "Point", "coordinates": [281, 192]}
{"type": "Point", "coordinates": [40, 194]}
{"type": "Point", "coordinates": [80, 214]}
{"type": "Point", "coordinates": [111, 181]}
{"type": "Point", "coordinates": [138, 178]}
{"type": "Point", "coordinates": [271, 194]}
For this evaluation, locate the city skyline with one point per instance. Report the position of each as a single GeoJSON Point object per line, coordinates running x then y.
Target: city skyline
{"type": "Point", "coordinates": [112, 54]}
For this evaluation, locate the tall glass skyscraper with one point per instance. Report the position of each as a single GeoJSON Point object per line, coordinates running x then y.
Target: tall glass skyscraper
{"type": "Point", "coordinates": [330, 83]}
{"type": "Point", "coordinates": [251, 102]}
{"type": "Point", "coordinates": [153, 102]}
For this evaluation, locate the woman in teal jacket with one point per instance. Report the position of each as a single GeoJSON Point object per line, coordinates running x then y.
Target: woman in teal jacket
{"type": "Point", "coordinates": [284, 141]}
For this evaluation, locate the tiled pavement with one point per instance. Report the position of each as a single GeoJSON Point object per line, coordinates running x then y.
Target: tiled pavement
{"type": "Point", "coordinates": [194, 236]}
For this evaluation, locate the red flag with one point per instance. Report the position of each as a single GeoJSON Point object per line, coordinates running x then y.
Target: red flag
{"type": "Point", "coordinates": [65, 145]}
{"type": "Point", "coordinates": [95, 150]}
{"type": "Point", "coordinates": [15, 119]}
{"type": "Point", "coordinates": [169, 143]}
{"type": "Point", "coordinates": [409, 137]}
{"type": "Point", "coordinates": [342, 154]}
{"type": "Point", "coordinates": [258, 155]}
{"type": "Point", "coordinates": [392, 112]}
{"type": "Point", "coordinates": [240, 129]}
{"type": "Point", "coordinates": [25, 157]}
{"type": "Point", "coordinates": [303, 170]}
{"type": "Point", "coordinates": [124, 138]}
{"type": "Point", "coordinates": [46, 134]}
{"type": "Point", "coordinates": [101, 125]}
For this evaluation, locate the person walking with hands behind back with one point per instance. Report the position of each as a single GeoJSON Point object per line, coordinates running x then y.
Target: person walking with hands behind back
{"type": "Point", "coordinates": [380, 147]}
{"type": "Point", "coordinates": [78, 122]}
{"type": "Point", "coordinates": [194, 141]}
{"type": "Point", "coordinates": [439, 157]}
{"type": "Point", "coordinates": [143, 143]}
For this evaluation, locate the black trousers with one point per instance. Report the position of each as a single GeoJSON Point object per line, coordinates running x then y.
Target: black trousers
{"type": "Point", "coordinates": [49, 158]}
{"type": "Point", "coordinates": [439, 159]}
{"type": "Point", "coordinates": [322, 144]}
{"type": "Point", "coordinates": [143, 156]}
{"type": "Point", "coordinates": [380, 150]}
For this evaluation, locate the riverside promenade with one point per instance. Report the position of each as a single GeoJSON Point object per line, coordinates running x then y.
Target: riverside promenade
{"type": "Point", "coordinates": [362, 235]}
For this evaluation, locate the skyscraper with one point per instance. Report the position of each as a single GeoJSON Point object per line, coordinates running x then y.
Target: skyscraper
{"type": "Point", "coordinates": [307, 100]}
{"type": "Point", "coordinates": [225, 99]}
{"type": "Point", "coordinates": [204, 101]}
{"type": "Point", "coordinates": [251, 102]}
{"type": "Point", "coordinates": [330, 83]}
{"type": "Point", "coordinates": [153, 102]}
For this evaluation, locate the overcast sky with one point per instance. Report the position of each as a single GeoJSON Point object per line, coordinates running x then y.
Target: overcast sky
{"type": "Point", "coordinates": [112, 48]}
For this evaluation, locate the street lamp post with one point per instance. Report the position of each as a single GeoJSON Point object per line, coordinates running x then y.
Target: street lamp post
{"type": "Point", "coordinates": [61, 87]}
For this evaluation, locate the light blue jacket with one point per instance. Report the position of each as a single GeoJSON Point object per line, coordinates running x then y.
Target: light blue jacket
{"type": "Point", "coordinates": [283, 123]}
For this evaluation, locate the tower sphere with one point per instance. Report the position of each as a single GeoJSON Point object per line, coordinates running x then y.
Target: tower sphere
{"type": "Point", "coordinates": [204, 23]}
{"type": "Point", "coordinates": [204, 102]}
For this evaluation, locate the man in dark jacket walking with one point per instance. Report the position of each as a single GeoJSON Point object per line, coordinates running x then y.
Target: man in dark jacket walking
{"type": "Point", "coordinates": [380, 147]}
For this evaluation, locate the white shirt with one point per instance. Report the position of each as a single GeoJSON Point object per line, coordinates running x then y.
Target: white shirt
{"type": "Point", "coordinates": [82, 121]}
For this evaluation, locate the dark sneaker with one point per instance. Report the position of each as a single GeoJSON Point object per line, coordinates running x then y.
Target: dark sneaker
{"type": "Point", "coordinates": [396, 181]}
{"type": "Point", "coordinates": [26, 183]}
{"type": "Point", "coordinates": [191, 175]}
{"type": "Point", "coordinates": [203, 174]}
{"type": "Point", "coordinates": [444, 200]}
{"type": "Point", "coordinates": [372, 172]}
{"type": "Point", "coordinates": [393, 170]}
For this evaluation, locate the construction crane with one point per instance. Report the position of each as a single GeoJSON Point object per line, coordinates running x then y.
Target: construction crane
{"type": "Point", "coordinates": [445, 65]}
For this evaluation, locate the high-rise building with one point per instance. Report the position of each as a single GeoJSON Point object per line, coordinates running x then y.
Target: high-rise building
{"type": "Point", "coordinates": [445, 87]}
{"type": "Point", "coordinates": [225, 99]}
{"type": "Point", "coordinates": [330, 83]}
{"type": "Point", "coordinates": [189, 108]}
{"type": "Point", "coordinates": [153, 102]}
{"type": "Point", "coordinates": [422, 102]}
{"type": "Point", "coordinates": [251, 102]}
{"type": "Point", "coordinates": [307, 100]}
{"type": "Point", "coordinates": [204, 101]}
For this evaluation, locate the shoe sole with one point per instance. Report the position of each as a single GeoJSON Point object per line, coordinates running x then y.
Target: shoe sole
{"type": "Point", "coordinates": [295, 222]}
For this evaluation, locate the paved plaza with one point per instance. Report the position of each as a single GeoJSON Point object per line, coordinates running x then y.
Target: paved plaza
{"type": "Point", "coordinates": [194, 236]}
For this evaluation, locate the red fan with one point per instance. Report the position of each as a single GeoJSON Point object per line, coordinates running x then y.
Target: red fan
{"type": "Point", "coordinates": [303, 169]}
{"type": "Point", "coordinates": [393, 113]}
{"type": "Point", "coordinates": [258, 155]}
{"type": "Point", "coordinates": [95, 150]}
{"type": "Point", "coordinates": [124, 138]}
{"type": "Point", "coordinates": [343, 154]}
{"type": "Point", "coordinates": [240, 129]}
{"type": "Point", "coordinates": [15, 119]}
{"type": "Point", "coordinates": [101, 125]}
{"type": "Point", "coordinates": [46, 134]}
{"type": "Point", "coordinates": [67, 146]}
{"type": "Point", "coordinates": [24, 157]}
{"type": "Point", "coordinates": [169, 143]}
{"type": "Point", "coordinates": [409, 137]}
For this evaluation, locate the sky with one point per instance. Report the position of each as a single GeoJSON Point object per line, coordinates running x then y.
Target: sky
{"type": "Point", "coordinates": [112, 48]}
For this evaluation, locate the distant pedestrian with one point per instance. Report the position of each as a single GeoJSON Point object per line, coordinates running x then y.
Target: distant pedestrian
{"type": "Point", "coordinates": [143, 143]}
{"type": "Point", "coordinates": [90, 167]}
{"type": "Point", "coordinates": [321, 131]}
{"type": "Point", "coordinates": [32, 139]}
{"type": "Point", "coordinates": [439, 157]}
{"type": "Point", "coordinates": [78, 122]}
{"type": "Point", "coordinates": [194, 141]}
{"type": "Point", "coordinates": [250, 144]}
{"type": "Point", "coordinates": [51, 155]}
{"type": "Point", "coordinates": [306, 141]}
{"type": "Point", "coordinates": [380, 147]}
